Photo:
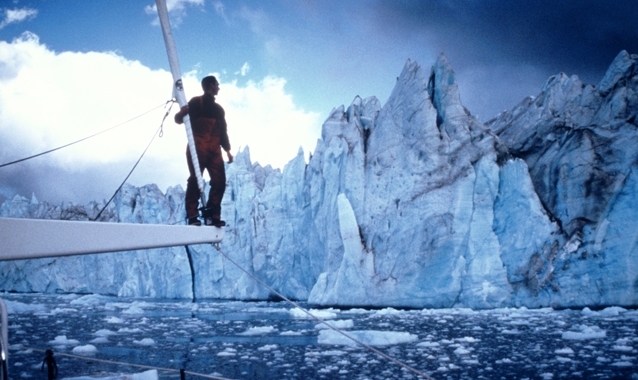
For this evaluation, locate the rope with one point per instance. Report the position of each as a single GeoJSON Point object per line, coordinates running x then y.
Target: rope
{"type": "Point", "coordinates": [160, 132]}
{"type": "Point", "coordinates": [86, 138]}
{"type": "Point", "coordinates": [130, 364]}
{"type": "Point", "coordinates": [367, 346]}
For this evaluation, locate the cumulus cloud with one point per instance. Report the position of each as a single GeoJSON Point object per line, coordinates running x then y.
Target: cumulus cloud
{"type": "Point", "coordinates": [12, 16]}
{"type": "Point", "coordinates": [264, 117]}
{"type": "Point", "coordinates": [48, 99]}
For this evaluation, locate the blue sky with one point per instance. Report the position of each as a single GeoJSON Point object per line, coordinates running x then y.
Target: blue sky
{"type": "Point", "coordinates": [72, 68]}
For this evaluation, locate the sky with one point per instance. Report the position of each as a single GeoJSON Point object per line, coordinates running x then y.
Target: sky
{"type": "Point", "coordinates": [71, 69]}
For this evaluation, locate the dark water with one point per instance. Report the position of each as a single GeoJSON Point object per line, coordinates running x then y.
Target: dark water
{"type": "Point", "coordinates": [271, 341]}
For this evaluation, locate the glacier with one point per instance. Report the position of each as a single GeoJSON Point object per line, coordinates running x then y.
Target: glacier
{"type": "Point", "coordinates": [415, 204]}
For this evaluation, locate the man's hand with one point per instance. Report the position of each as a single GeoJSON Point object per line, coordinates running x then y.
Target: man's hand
{"type": "Point", "coordinates": [230, 157]}
{"type": "Point", "coordinates": [179, 117]}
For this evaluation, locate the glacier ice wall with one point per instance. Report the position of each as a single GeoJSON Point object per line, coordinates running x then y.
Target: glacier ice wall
{"type": "Point", "coordinates": [415, 203]}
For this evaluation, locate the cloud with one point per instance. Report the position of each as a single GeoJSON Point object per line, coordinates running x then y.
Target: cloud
{"type": "Point", "coordinates": [244, 69]}
{"type": "Point", "coordinates": [579, 37]}
{"type": "Point", "coordinates": [220, 9]}
{"type": "Point", "coordinates": [12, 16]}
{"type": "Point", "coordinates": [48, 99]}
{"type": "Point", "coordinates": [258, 20]}
{"type": "Point", "coordinates": [176, 10]}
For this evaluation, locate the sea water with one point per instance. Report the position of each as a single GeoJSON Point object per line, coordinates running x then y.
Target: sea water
{"type": "Point", "coordinates": [276, 340]}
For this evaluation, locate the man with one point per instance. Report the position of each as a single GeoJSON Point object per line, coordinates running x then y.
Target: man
{"type": "Point", "coordinates": [52, 367]}
{"type": "Point", "coordinates": [208, 122]}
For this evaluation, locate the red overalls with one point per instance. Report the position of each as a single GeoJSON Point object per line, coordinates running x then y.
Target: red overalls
{"type": "Point", "coordinates": [208, 123]}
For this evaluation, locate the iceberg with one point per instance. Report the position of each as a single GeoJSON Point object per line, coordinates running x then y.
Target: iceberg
{"type": "Point", "coordinates": [415, 203]}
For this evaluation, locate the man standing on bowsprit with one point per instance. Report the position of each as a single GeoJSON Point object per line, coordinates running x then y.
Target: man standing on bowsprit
{"type": "Point", "coordinates": [208, 122]}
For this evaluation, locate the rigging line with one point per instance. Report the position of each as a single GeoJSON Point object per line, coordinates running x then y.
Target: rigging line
{"type": "Point", "coordinates": [93, 359]}
{"type": "Point", "coordinates": [160, 132]}
{"type": "Point", "coordinates": [85, 138]}
{"type": "Point", "coordinates": [367, 346]}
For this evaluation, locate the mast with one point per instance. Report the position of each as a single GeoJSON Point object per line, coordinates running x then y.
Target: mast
{"type": "Point", "coordinates": [178, 89]}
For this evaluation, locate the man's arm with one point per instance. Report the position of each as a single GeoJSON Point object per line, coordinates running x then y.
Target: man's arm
{"type": "Point", "coordinates": [179, 117]}
{"type": "Point", "coordinates": [224, 140]}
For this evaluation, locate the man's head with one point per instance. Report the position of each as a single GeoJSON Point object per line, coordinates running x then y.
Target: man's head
{"type": "Point", "coordinates": [210, 84]}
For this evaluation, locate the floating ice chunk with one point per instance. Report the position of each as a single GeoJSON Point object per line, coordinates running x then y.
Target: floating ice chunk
{"type": "Point", "coordinates": [88, 349]}
{"type": "Point", "coordinates": [91, 299]}
{"type": "Point", "coordinates": [104, 332]}
{"type": "Point", "coordinates": [114, 320]}
{"type": "Point", "coordinates": [340, 324]}
{"type": "Point", "coordinates": [228, 351]}
{"type": "Point", "coordinates": [468, 339]}
{"type": "Point", "coordinates": [562, 359]}
{"type": "Point", "coordinates": [101, 339]}
{"type": "Point", "coordinates": [61, 340]}
{"type": "Point", "coordinates": [586, 332]}
{"type": "Point", "coordinates": [428, 344]}
{"type": "Point", "coordinates": [148, 375]}
{"type": "Point", "coordinates": [145, 342]}
{"type": "Point", "coordinates": [291, 333]}
{"type": "Point", "coordinates": [565, 351]}
{"type": "Point", "coordinates": [370, 337]}
{"type": "Point", "coordinates": [259, 330]}
{"type": "Point", "coordinates": [129, 330]}
{"type": "Point", "coordinates": [623, 348]}
{"type": "Point", "coordinates": [268, 347]}
{"type": "Point", "coordinates": [388, 311]}
{"type": "Point", "coordinates": [15, 307]}
{"type": "Point", "coordinates": [60, 310]}
{"type": "Point", "coordinates": [510, 332]}
{"type": "Point", "coordinates": [134, 309]}
{"type": "Point", "coordinates": [328, 369]}
{"type": "Point", "coordinates": [622, 364]}
{"type": "Point", "coordinates": [323, 314]}
{"type": "Point", "coordinates": [358, 311]}
{"type": "Point", "coordinates": [461, 351]}
{"type": "Point", "coordinates": [611, 311]}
